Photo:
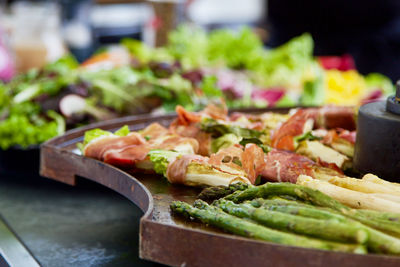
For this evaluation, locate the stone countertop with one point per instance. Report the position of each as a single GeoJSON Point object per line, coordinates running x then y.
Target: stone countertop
{"type": "Point", "coordinates": [86, 225]}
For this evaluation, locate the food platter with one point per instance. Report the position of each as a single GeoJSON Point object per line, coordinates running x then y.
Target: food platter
{"type": "Point", "coordinates": [167, 239]}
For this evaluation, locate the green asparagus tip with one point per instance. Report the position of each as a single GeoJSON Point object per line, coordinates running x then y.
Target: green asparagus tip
{"type": "Point", "coordinates": [200, 204]}
{"type": "Point", "coordinates": [361, 249]}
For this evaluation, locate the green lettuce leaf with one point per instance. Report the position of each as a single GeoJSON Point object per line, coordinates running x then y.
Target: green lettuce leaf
{"type": "Point", "coordinates": [235, 49]}
{"type": "Point", "coordinates": [59, 119]}
{"type": "Point", "coordinates": [123, 131]}
{"type": "Point", "coordinates": [115, 87]}
{"type": "Point", "coordinates": [379, 81]}
{"type": "Point", "coordinates": [94, 134]}
{"type": "Point", "coordinates": [218, 129]}
{"type": "Point", "coordinates": [161, 159]}
{"type": "Point", "coordinates": [189, 45]}
{"type": "Point", "coordinates": [227, 140]}
{"type": "Point", "coordinates": [306, 136]}
{"type": "Point", "coordinates": [63, 65]}
{"type": "Point", "coordinates": [287, 65]}
{"type": "Point", "coordinates": [209, 87]}
{"type": "Point", "coordinates": [138, 49]}
{"type": "Point", "coordinates": [24, 127]}
{"type": "Point", "coordinates": [313, 93]}
{"type": "Point", "coordinates": [256, 141]}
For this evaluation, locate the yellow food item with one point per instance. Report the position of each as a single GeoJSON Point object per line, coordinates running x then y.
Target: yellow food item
{"type": "Point", "coordinates": [344, 87]}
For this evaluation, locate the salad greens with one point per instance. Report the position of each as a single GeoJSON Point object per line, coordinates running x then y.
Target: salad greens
{"type": "Point", "coordinates": [23, 130]}
{"type": "Point", "coordinates": [192, 69]}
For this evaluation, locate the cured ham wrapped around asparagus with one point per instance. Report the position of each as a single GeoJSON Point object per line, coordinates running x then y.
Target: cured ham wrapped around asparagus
{"type": "Point", "coordinates": [194, 169]}
{"type": "Point", "coordinates": [211, 148]}
{"type": "Point", "coordinates": [305, 120]}
{"type": "Point", "coordinates": [130, 150]}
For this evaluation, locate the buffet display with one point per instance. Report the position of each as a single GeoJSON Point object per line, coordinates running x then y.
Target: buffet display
{"type": "Point", "coordinates": [283, 178]}
{"type": "Point", "coordinates": [191, 70]}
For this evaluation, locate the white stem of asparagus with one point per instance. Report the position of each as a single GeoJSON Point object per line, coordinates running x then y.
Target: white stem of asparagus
{"type": "Point", "coordinates": [349, 197]}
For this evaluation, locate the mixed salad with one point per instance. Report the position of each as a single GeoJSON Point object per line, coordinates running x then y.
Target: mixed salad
{"type": "Point", "coordinates": [192, 69]}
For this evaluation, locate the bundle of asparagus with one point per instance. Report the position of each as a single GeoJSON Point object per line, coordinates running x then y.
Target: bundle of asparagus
{"type": "Point", "coordinates": [370, 192]}
{"type": "Point", "coordinates": [295, 215]}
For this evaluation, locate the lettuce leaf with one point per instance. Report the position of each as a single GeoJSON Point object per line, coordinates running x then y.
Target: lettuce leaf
{"type": "Point", "coordinates": [123, 131]}
{"type": "Point", "coordinates": [24, 127]}
{"type": "Point", "coordinates": [235, 49]}
{"type": "Point", "coordinates": [286, 65]}
{"type": "Point", "coordinates": [313, 93]}
{"type": "Point", "coordinates": [380, 81]}
{"type": "Point", "coordinates": [306, 136]}
{"type": "Point", "coordinates": [161, 159]}
{"type": "Point", "coordinates": [209, 87]}
{"type": "Point", "coordinates": [59, 119]}
{"type": "Point", "coordinates": [227, 140]}
{"type": "Point", "coordinates": [63, 65]}
{"type": "Point", "coordinates": [96, 133]}
{"type": "Point", "coordinates": [115, 87]}
{"type": "Point", "coordinates": [256, 141]}
{"type": "Point", "coordinates": [189, 45]}
{"type": "Point", "coordinates": [218, 129]}
{"type": "Point", "coordinates": [137, 49]}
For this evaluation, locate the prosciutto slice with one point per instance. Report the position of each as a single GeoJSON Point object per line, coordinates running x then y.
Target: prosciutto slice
{"type": "Point", "coordinates": [216, 111]}
{"type": "Point", "coordinates": [98, 147]}
{"type": "Point", "coordinates": [250, 161]}
{"type": "Point", "coordinates": [253, 161]}
{"type": "Point", "coordinates": [126, 151]}
{"type": "Point", "coordinates": [175, 142]}
{"type": "Point", "coordinates": [154, 130]}
{"type": "Point", "coordinates": [185, 117]}
{"type": "Point", "coordinates": [307, 119]}
{"type": "Point", "coordinates": [348, 135]}
{"type": "Point", "coordinates": [176, 171]}
{"type": "Point", "coordinates": [285, 166]}
{"type": "Point", "coordinates": [331, 117]}
{"type": "Point", "coordinates": [128, 156]}
{"type": "Point", "coordinates": [230, 156]}
{"type": "Point", "coordinates": [296, 125]}
{"type": "Point", "coordinates": [193, 131]}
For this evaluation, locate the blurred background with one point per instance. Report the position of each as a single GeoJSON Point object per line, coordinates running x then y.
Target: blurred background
{"type": "Point", "coordinates": [37, 32]}
{"type": "Point", "coordinates": [68, 63]}
{"type": "Point", "coordinates": [367, 30]}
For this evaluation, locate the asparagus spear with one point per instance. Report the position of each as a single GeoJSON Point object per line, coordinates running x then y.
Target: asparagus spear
{"type": "Point", "coordinates": [216, 192]}
{"type": "Point", "coordinates": [283, 201]}
{"type": "Point", "coordinates": [393, 217]}
{"type": "Point", "coordinates": [302, 209]}
{"type": "Point", "coordinates": [316, 197]}
{"type": "Point", "coordinates": [218, 218]}
{"type": "Point", "coordinates": [378, 242]}
{"type": "Point", "coordinates": [324, 229]}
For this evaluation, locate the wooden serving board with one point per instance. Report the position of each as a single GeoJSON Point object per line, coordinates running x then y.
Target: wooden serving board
{"type": "Point", "coordinates": [170, 240]}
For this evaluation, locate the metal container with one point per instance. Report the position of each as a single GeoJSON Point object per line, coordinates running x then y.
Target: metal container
{"type": "Point", "coordinates": [377, 147]}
